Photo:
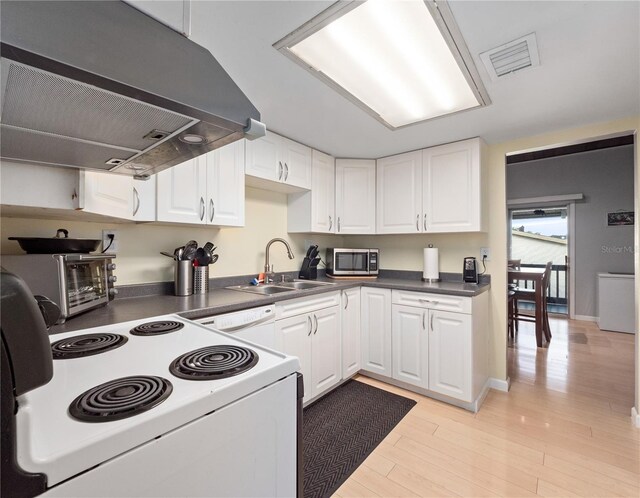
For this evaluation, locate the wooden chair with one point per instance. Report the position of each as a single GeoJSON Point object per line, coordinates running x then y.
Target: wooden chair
{"type": "Point", "coordinates": [511, 321]}
{"type": "Point", "coordinates": [513, 264]}
{"type": "Point", "coordinates": [529, 295]}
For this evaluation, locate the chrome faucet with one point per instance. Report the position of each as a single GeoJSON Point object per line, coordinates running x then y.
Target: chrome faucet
{"type": "Point", "coordinates": [268, 269]}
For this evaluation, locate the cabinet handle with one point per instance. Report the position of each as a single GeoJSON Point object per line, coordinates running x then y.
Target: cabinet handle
{"type": "Point", "coordinates": [346, 305]}
{"type": "Point", "coordinates": [316, 320]}
{"type": "Point", "coordinates": [428, 301]}
{"type": "Point", "coordinates": [330, 223]}
{"type": "Point", "coordinates": [286, 171]}
{"type": "Point", "coordinates": [424, 224]}
{"type": "Point", "coordinates": [431, 322]}
{"type": "Point", "coordinates": [212, 209]}
{"type": "Point", "coordinates": [424, 315]}
{"type": "Point", "coordinates": [201, 208]}
{"type": "Point", "coordinates": [310, 325]}
{"type": "Point", "coordinates": [418, 222]}
{"type": "Point", "coordinates": [280, 174]}
{"type": "Point", "coordinates": [136, 197]}
{"type": "Point", "coordinates": [338, 223]}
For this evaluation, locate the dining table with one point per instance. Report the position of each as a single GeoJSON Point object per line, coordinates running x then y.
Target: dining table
{"type": "Point", "coordinates": [534, 275]}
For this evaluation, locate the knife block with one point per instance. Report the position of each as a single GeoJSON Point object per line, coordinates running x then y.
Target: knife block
{"type": "Point", "coordinates": [308, 272]}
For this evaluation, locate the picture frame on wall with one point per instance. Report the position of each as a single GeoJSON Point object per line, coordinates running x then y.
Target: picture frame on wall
{"type": "Point", "coordinates": [620, 218]}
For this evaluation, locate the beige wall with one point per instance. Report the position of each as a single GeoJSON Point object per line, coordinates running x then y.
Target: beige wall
{"type": "Point", "coordinates": [138, 259]}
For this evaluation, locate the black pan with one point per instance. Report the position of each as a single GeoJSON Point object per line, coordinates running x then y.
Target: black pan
{"type": "Point", "coordinates": [60, 244]}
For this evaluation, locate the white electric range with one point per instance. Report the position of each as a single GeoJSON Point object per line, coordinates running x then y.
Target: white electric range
{"type": "Point", "coordinates": [217, 415]}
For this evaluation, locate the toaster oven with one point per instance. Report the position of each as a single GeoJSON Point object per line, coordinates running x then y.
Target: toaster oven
{"type": "Point", "coordinates": [352, 262]}
{"type": "Point", "coordinates": [75, 282]}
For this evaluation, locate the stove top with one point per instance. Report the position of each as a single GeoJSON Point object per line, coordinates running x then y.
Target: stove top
{"type": "Point", "coordinates": [86, 345]}
{"type": "Point", "coordinates": [53, 436]}
{"type": "Point", "coordinates": [156, 328]}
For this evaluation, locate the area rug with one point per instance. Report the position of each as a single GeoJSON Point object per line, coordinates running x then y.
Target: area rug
{"type": "Point", "coordinates": [341, 429]}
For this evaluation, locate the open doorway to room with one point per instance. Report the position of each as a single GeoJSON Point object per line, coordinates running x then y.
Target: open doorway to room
{"type": "Point", "coordinates": [539, 235]}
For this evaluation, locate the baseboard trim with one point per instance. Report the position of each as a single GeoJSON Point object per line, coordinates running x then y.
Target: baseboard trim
{"type": "Point", "coordinates": [586, 318]}
{"type": "Point", "coordinates": [636, 417]}
{"type": "Point", "coordinates": [499, 384]}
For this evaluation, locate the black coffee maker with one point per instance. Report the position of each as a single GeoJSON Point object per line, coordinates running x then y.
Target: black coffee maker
{"type": "Point", "coordinates": [309, 270]}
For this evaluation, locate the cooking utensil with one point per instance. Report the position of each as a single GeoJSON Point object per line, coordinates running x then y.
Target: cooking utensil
{"type": "Point", "coordinates": [60, 244]}
{"type": "Point", "coordinates": [202, 257]}
{"type": "Point", "coordinates": [209, 247]}
{"type": "Point", "coordinates": [168, 254]}
{"type": "Point", "coordinates": [214, 258]}
{"type": "Point", "coordinates": [190, 249]}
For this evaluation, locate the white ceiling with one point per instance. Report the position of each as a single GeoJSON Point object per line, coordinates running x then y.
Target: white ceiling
{"type": "Point", "coordinates": [589, 72]}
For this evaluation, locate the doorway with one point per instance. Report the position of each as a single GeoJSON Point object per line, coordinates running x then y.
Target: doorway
{"type": "Point", "coordinates": [538, 235]}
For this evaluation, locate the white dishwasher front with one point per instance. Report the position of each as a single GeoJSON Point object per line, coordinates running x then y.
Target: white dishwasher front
{"type": "Point", "coordinates": [255, 325]}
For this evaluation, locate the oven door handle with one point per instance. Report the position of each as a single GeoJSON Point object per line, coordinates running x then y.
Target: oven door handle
{"type": "Point", "coordinates": [246, 325]}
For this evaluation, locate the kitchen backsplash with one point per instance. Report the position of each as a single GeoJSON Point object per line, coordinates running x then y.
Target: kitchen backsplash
{"type": "Point", "coordinates": [241, 250]}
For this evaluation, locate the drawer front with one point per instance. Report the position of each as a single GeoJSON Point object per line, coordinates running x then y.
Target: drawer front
{"type": "Point", "coordinates": [293, 307]}
{"type": "Point", "coordinates": [442, 302]}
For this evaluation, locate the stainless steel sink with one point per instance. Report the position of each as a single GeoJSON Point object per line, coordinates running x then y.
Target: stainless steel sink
{"type": "Point", "coordinates": [266, 290]}
{"type": "Point", "coordinates": [303, 284]}
{"type": "Point", "coordinates": [279, 287]}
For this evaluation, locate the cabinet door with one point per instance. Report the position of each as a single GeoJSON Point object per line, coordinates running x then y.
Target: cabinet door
{"type": "Point", "coordinates": [326, 362]}
{"type": "Point", "coordinates": [410, 344]}
{"type": "Point", "coordinates": [293, 336]}
{"type": "Point", "coordinates": [144, 199]}
{"type": "Point", "coordinates": [225, 185]}
{"type": "Point", "coordinates": [450, 359]}
{"type": "Point", "coordinates": [399, 193]}
{"type": "Point", "coordinates": [262, 157]}
{"type": "Point", "coordinates": [322, 193]}
{"type": "Point", "coordinates": [451, 187]}
{"type": "Point", "coordinates": [106, 193]}
{"type": "Point", "coordinates": [181, 192]}
{"type": "Point", "coordinates": [355, 196]}
{"type": "Point", "coordinates": [376, 330]}
{"type": "Point", "coordinates": [296, 159]}
{"type": "Point", "coordinates": [350, 332]}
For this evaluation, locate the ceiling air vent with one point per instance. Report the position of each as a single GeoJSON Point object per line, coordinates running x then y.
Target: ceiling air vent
{"type": "Point", "coordinates": [511, 57]}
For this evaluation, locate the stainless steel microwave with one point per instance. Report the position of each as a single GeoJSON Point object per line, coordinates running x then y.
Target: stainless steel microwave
{"type": "Point", "coordinates": [352, 262]}
{"type": "Point", "coordinates": [75, 282]}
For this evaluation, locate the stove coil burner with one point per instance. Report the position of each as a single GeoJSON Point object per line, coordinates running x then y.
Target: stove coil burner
{"type": "Point", "coordinates": [213, 362]}
{"type": "Point", "coordinates": [156, 328]}
{"type": "Point", "coordinates": [86, 345]}
{"type": "Point", "coordinates": [120, 398]}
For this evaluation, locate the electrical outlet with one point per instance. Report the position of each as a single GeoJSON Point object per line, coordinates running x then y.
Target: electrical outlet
{"type": "Point", "coordinates": [106, 240]}
{"type": "Point", "coordinates": [485, 253]}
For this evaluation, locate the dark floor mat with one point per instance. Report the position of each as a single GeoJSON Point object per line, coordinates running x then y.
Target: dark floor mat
{"type": "Point", "coordinates": [342, 428]}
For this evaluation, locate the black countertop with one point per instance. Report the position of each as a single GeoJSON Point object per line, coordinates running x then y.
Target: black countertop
{"type": "Point", "coordinates": [221, 300]}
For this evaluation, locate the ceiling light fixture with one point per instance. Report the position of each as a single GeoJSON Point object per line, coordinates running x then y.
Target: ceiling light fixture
{"type": "Point", "coordinates": [401, 61]}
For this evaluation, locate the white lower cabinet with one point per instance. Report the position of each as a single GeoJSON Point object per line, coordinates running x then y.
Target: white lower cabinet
{"type": "Point", "coordinates": [350, 332]}
{"type": "Point", "coordinates": [450, 360]}
{"type": "Point", "coordinates": [310, 329]}
{"type": "Point", "coordinates": [410, 345]}
{"type": "Point", "coordinates": [376, 330]}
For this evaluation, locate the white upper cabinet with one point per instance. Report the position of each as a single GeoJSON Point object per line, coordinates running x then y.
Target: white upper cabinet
{"type": "Point", "coordinates": [277, 163]}
{"type": "Point", "coordinates": [435, 190]}
{"type": "Point", "coordinates": [451, 186]}
{"type": "Point", "coordinates": [313, 211]}
{"type": "Point", "coordinates": [225, 185]}
{"type": "Point", "coordinates": [144, 199]}
{"type": "Point", "coordinates": [355, 196]}
{"type": "Point", "coordinates": [182, 192]}
{"type": "Point", "coordinates": [207, 190]}
{"type": "Point", "coordinates": [399, 193]}
{"type": "Point", "coordinates": [106, 193]}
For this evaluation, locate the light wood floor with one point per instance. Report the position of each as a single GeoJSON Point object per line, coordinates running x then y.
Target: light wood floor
{"type": "Point", "coordinates": [564, 428]}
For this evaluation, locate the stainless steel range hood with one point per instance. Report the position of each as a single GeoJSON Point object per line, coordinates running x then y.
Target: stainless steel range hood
{"type": "Point", "coordinates": [100, 85]}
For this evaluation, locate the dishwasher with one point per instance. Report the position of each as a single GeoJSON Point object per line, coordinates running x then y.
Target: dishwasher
{"type": "Point", "coordinates": [256, 325]}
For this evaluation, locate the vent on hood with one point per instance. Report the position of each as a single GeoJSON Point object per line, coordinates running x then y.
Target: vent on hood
{"type": "Point", "coordinates": [511, 57]}
{"type": "Point", "coordinates": [101, 85]}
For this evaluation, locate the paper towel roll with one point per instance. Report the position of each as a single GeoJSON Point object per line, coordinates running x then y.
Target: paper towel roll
{"type": "Point", "coordinates": [431, 272]}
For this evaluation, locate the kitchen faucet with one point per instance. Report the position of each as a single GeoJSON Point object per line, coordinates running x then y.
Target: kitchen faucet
{"type": "Point", "coordinates": [268, 269]}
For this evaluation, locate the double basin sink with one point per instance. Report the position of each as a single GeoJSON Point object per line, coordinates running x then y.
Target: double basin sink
{"type": "Point", "coordinates": [276, 288]}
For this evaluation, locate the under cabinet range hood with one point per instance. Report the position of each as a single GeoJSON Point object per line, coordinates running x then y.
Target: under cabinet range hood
{"type": "Point", "coordinates": [100, 85]}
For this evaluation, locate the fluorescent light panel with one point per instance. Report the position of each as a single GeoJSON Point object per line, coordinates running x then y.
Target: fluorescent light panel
{"type": "Point", "coordinates": [390, 56]}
